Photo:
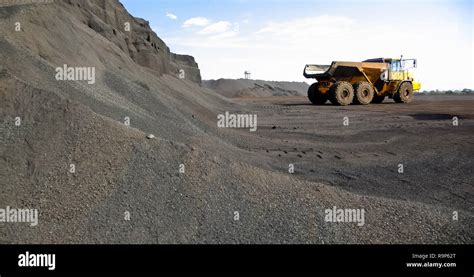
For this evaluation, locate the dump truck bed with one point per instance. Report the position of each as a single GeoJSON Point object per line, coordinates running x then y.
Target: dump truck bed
{"type": "Point", "coordinates": [344, 70]}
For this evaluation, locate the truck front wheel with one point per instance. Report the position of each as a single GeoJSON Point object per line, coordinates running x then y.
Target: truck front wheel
{"type": "Point", "coordinates": [341, 93]}
{"type": "Point", "coordinates": [404, 93]}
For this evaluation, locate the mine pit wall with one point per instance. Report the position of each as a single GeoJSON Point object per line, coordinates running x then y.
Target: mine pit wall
{"type": "Point", "coordinates": [141, 43]}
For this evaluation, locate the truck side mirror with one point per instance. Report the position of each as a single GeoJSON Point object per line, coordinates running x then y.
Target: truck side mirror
{"type": "Point", "coordinates": [415, 63]}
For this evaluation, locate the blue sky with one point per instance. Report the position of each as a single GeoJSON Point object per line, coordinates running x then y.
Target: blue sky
{"type": "Point", "coordinates": [274, 39]}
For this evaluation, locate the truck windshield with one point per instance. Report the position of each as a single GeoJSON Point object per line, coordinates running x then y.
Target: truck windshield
{"type": "Point", "coordinates": [395, 66]}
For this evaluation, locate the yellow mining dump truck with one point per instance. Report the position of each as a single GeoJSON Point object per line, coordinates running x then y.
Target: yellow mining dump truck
{"type": "Point", "coordinates": [365, 82]}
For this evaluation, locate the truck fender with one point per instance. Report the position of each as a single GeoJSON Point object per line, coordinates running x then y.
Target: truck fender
{"type": "Point", "coordinates": [401, 83]}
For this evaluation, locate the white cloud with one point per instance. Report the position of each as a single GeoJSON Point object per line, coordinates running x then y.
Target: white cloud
{"type": "Point", "coordinates": [171, 16]}
{"type": "Point", "coordinates": [224, 35]}
{"type": "Point", "coordinates": [305, 24]}
{"type": "Point", "coordinates": [236, 27]}
{"type": "Point", "coordinates": [301, 28]}
{"type": "Point", "coordinates": [216, 28]}
{"type": "Point", "coordinates": [196, 21]}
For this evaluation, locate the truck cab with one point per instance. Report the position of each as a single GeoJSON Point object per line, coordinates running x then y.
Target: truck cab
{"type": "Point", "coordinates": [399, 70]}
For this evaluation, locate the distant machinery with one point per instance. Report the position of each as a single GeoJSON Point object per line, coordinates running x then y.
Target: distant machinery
{"type": "Point", "coordinates": [247, 75]}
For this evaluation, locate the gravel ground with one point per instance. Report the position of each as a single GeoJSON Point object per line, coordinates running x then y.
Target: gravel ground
{"type": "Point", "coordinates": [236, 187]}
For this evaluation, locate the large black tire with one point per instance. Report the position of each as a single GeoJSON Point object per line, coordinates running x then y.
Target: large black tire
{"type": "Point", "coordinates": [341, 93]}
{"type": "Point", "coordinates": [378, 99]}
{"type": "Point", "coordinates": [404, 93]}
{"type": "Point", "coordinates": [315, 96]}
{"type": "Point", "coordinates": [364, 93]}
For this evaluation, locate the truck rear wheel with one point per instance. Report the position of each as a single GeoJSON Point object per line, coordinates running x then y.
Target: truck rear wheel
{"type": "Point", "coordinates": [316, 97]}
{"type": "Point", "coordinates": [404, 93]}
{"type": "Point", "coordinates": [364, 93]}
{"type": "Point", "coordinates": [341, 93]}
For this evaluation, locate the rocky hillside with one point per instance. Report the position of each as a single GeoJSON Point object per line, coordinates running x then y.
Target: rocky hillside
{"type": "Point", "coordinates": [108, 21]}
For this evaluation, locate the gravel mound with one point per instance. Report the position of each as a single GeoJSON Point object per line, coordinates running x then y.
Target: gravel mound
{"type": "Point", "coordinates": [256, 88]}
